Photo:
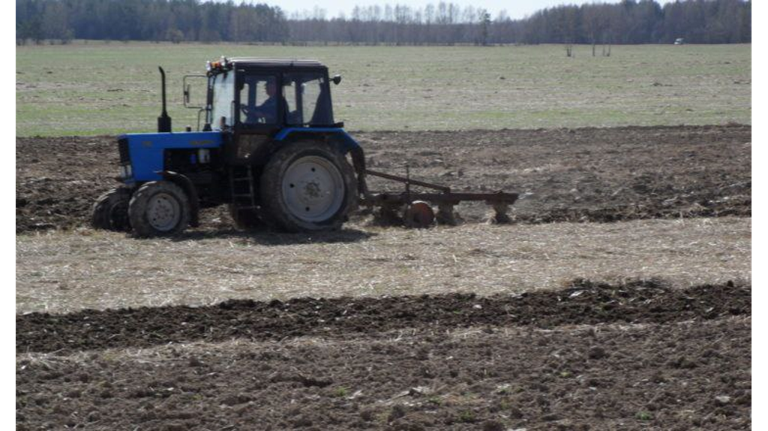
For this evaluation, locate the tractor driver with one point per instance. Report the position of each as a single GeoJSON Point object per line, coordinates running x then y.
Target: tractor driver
{"type": "Point", "coordinates": [267, 111]}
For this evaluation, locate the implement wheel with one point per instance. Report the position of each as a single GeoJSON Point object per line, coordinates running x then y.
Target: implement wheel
{"type": "Point", "coordinates": [307, 186]}
{"type": "Point", "coordinates": [159, 208]}
{"type": "Point", "coordinates": [110, 212]}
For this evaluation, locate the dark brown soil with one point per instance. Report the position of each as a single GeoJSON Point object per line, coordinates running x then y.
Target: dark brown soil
{"type": "Point", "coordinates": [563, 175]}
{"type": "Point", "coordinates": [634, 356]}
{"type": "Point", "coordinates": [584, 303]}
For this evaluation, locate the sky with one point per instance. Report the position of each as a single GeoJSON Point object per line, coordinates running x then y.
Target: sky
{"type": "Point", "coordinates": [516, 9]}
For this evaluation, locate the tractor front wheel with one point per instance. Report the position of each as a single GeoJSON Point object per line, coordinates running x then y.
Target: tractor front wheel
{"type": "Point", "coordinates": [110, 212]}
{"type": "Point", "coordinates": [159, 208]}
{"type": "Point", "coordinates": [307, 186]}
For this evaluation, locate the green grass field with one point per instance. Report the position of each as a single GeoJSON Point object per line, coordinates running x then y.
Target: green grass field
{"type": "Point", "coordinates": [111, 88]}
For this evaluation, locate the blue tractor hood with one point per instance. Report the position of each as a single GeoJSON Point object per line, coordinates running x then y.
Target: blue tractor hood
{"type": "Point", "coordinates": [146, 150]}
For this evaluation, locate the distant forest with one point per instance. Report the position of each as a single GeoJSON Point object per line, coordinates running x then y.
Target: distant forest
{"type": "Point", "coordinates": [626, 22]}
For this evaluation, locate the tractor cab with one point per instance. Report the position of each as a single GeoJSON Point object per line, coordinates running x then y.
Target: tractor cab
{"type": "Point", "coordinates": [253, 96]}
{"type": "Point", "coordinates": [254, 100]}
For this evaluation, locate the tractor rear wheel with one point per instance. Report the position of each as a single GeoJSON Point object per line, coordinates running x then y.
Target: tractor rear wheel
{"type": "Point", "coordinates": [110, 211]}
{"type": "Point", "coordinates": [307, 186]}
{"type": "Point", "coordinates": [159, 208]}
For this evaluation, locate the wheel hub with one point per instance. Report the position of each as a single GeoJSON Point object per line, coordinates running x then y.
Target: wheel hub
{"type": "Point", "coordinates": [313, 189]}
{"type": "Point", "coordinates": [163, 212]}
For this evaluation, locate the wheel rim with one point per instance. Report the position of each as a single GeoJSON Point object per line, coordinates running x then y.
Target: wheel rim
{"type": "Point", "coordinates": [163, 212]}
{"type": "Point", "coordinates": [313, 189]}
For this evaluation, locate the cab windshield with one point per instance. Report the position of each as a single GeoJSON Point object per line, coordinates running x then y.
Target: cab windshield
{"type": "Point", "coordinates": [222, 87]}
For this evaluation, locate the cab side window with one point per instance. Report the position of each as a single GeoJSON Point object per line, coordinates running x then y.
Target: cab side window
{"type": "Point", "coordinates": [259, 100]}
{"type": "Point", "coordinates": [310, 103]}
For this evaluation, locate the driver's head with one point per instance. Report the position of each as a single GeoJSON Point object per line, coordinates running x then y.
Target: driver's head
{"type": "Point", "coordinates": [271, 88]}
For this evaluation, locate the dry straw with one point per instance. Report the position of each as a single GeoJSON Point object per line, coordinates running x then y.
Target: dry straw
{"type": "Point", "coordinates": [62, 272]}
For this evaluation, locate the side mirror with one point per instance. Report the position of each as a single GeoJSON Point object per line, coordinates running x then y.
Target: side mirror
{"type": "Point", "coordinates": [336, 79]}
{"type": "Point", "coordinates": [187, 92]}
{"type": "Point", "coordinates": [187, 89]}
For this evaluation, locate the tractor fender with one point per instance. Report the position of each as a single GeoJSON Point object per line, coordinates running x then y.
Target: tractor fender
{"type": "Point", "coordinates": [338, 134]}
{"type": "Point", "coordinates": [346, 143]}
{"type": "Point", "coordinates": [186, 184]}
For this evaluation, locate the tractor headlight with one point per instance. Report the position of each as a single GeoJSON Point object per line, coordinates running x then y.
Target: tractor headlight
{"type": "Point", "coordinates": [125, 171]}
{"type": "Point", "coordinates": [204, 155]}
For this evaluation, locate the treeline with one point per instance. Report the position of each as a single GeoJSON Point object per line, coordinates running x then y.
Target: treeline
{"type": "Point", "coordinates": [153, 20]}
{"type": "Point", "coordinates": [630, 22]}
{"type": "Point", "coordinates": [627, 22]}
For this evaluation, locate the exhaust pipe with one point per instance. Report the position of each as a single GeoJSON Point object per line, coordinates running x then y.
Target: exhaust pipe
{"type": "Point", "coordinates": [163, 121]}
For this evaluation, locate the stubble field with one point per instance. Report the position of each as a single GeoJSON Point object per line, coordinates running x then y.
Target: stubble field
{"type": "Point", "coordinates": [97, 88]}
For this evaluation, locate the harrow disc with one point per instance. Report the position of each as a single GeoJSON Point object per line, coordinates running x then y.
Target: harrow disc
{"type": "Point", "coordinates": [419, 215]}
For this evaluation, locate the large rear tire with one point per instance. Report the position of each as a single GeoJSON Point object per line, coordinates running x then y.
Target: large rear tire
{"type": "Point", "coordinates": [159, 208]}
{"type": "Point", "coordinates": [307, 186]}
{"type": "Point", "coordinates": [110, 211]}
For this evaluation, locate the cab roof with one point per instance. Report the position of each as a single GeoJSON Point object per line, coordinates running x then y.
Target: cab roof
{"type": "Point", "coordinates": [272, 62]}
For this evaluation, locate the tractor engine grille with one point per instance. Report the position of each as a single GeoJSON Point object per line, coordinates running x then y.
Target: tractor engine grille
{"type": "Point", "coordinates": [122, 147]}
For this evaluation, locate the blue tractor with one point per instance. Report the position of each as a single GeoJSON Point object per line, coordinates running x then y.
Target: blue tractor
{"type": "Point", "coordinates": [271, 151]}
